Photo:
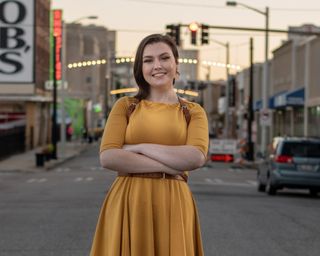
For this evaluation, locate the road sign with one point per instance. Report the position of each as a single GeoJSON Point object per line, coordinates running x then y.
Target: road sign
{"type": "Point", "coordinates": [265, 117]}
{"type": "Point", "coordinates": [223, 146]}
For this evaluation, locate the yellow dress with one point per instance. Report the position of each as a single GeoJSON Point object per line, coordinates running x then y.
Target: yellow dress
{"type": "Point", "coordinates": [145, 216]}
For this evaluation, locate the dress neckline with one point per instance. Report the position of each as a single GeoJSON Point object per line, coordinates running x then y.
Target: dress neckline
{"type": "Point", "coordinates": [149, 102]}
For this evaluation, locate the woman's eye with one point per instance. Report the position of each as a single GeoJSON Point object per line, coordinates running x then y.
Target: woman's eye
{"type": "Point", "coordinates": [146, 61]}
{"type": "Point", "coordinates": [165, 57]}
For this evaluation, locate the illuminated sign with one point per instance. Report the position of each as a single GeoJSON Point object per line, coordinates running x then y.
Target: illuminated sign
{"type": "Point", "coordinates": [17, 31]}
{"type": "Point", "coordinates": [57, 34]}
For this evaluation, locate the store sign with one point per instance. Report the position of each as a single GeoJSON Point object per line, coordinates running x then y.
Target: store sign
{"type": "Point", "coordinates": [57, 34]}
{"type": "Point", "coordinates": [17, 26]}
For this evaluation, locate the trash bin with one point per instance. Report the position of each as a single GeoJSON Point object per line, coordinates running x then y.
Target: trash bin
{"type": "Point", "coordinates": [39, 159]}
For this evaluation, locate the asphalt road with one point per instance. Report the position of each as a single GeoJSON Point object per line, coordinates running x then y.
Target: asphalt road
{"type": "Point", "coordinates": [55, 212]}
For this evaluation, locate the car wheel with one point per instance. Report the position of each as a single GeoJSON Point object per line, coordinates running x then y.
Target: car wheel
{"type": "Point", "coordinates": [271, 189]}
{"type": "Point", "coordinates": [261, 187]}
{"type": "Point", "coordinates": [314, 192]}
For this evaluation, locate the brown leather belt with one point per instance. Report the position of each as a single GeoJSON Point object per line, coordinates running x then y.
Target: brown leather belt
{"type": "Point", "coordinates": [156, 175]}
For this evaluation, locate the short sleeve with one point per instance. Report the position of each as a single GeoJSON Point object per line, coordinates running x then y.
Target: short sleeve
{"type": "Point", "coordinates": [115, 128]}
{"type": "Point", "coordinates": [198, 134]}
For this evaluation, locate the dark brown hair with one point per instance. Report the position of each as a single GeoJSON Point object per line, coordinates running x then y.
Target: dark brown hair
{"type": "Point", "coordinates": [144, 87]}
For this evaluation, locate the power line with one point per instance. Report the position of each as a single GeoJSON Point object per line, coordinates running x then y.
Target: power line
{"type": "Point", "coordinates": [177, 3]}
{"type": "Point", "coordinates": [218, 6]}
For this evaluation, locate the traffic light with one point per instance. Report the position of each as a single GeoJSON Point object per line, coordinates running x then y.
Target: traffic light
{"type": "Point", "coordinates": [174, 32]}
{"type": "Point", "coordinates": [193, 27]}
{"type": "Point", "coordinates": [204, 34]}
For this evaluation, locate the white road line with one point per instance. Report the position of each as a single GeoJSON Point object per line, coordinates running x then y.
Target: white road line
{"type": "Point", "coordinates": [237, 170]}
{"type": "Point", "coordinates": [41, 180]}
{"type": "Point", "coordinates": [209, 181]}
{"type": "Point", "coordinates": [218, 181]}
{"type": "Point", "coordinates": [222, 183]}
{"type": "Point", "coordinates": [78, 179]}
{"type": "Point", "coordinates": [62, 170]}
{"type": "Point", "coordinates": [252, 182]}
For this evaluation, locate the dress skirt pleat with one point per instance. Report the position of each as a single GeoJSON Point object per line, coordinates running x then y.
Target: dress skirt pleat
{"type": "Point", "coordinates": [148, 217]}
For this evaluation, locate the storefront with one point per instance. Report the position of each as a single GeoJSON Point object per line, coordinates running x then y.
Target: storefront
{"type": "Point", "coordinates": [288, 109]}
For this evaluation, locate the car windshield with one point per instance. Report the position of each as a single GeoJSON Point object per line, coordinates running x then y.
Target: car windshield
{"type": "Point", "coordinates": [301, 149]}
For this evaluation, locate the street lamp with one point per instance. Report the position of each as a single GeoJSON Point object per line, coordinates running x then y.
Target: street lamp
{"type": "Point", "coordinates": [92, 17]}
{"type": "Point", "coordinates": [265, 84]}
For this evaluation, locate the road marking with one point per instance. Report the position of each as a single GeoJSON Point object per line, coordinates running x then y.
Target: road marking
{"type": "Point", "coordinates": [79, 179]}
{"type": "Point", "coordinates": [254, 183]}
{"type": "Point", "coordinates": [237, 170]}
{"type": "Point", "coordinates": [223, 183]}
{"type": "Point", "coordinates": [63, 170]}
{"type": "Point", "coordinates": [41, 180]}
{"type": "Point", "coordinates": [208, 180]}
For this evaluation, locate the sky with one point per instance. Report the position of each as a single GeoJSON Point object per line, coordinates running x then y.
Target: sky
{"type": "Point", "coordinates": [135, 19]}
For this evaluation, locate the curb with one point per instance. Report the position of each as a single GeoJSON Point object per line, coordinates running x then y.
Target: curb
{"type": "Point", "coordinates": [50, 165]}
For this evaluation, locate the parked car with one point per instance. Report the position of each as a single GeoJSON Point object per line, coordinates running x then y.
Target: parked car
{"type": "Point", "coordinates": [291, 163]}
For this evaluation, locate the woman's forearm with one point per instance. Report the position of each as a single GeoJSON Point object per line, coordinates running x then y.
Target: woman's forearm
{"type": "Point", "coordinates": [121, 160]}
{"type": "Point", "coordinates": [183, 157]}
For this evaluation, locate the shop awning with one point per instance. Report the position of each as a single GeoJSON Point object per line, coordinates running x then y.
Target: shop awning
{"type": "Point", "coordinates": [257, 105]}
{"type": "Point", "coordinates": [272, 99]}
{"type": "Point", "coordinates": [295, 98]}
{"type": "Point", "coordinates": [292, 98]}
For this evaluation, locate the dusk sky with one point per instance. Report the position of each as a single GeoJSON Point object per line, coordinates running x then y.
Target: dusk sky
{"type": "Point", "coordinates": [134, 19]}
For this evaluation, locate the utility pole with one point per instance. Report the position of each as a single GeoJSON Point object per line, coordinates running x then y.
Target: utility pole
{"type": "Point", "coordinates": [265, 84]}
{"type": "Point", "coordinates": [227, 116]}
{"type": "Point", "coordinates": [63, 92]}
{"type": "Point", "coordinates": [250, 153]}
{"type": "Point", "coordinates": [54, 106]}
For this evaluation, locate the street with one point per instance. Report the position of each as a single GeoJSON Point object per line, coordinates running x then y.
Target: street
{"type": "Point", "coordinates": [54, 213]}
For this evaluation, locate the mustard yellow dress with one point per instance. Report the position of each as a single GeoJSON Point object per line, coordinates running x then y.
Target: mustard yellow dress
{"type": "Point", "coordinates": [147, 216]}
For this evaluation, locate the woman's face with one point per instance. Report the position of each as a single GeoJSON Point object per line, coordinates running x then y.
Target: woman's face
{"type": "Point", "coordinates": [159, 66]}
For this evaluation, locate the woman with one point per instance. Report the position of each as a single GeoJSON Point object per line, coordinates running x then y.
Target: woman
{"type": "Point", "coordinates": [150, 141]}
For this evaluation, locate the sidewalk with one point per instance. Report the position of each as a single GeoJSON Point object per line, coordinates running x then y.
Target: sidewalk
{"type": "Point", "coordinates": [26, 162]}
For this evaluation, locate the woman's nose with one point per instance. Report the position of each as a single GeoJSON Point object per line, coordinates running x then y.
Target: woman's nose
{"type": "Point", "coordinates": [157, 64]}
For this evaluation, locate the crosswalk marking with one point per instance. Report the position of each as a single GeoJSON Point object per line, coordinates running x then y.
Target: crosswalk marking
{"type": "Point", "coordinates": [252, 182]}
{"type": "Point", "coordinates": [219, 182]}
{"type": "Point", "coordinates": [63, 170]}
{"type": "Point", "coordinates": [80, 179]}
{"type": "Point", "coordinates": [41, 180]}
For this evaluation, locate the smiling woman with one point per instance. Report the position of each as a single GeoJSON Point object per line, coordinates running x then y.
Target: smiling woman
{"type": "Point", "coordinates": [152, 140]}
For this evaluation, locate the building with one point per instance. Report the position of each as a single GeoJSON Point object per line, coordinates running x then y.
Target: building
{"type": "Point", "coordinates": [89, 55]}
{"type": "Point", "coordinates": [294, 93]}
{"type": "Point", "coordinates": [296, 88]}
{"type": "Point", "coordinates": [24, 69]}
